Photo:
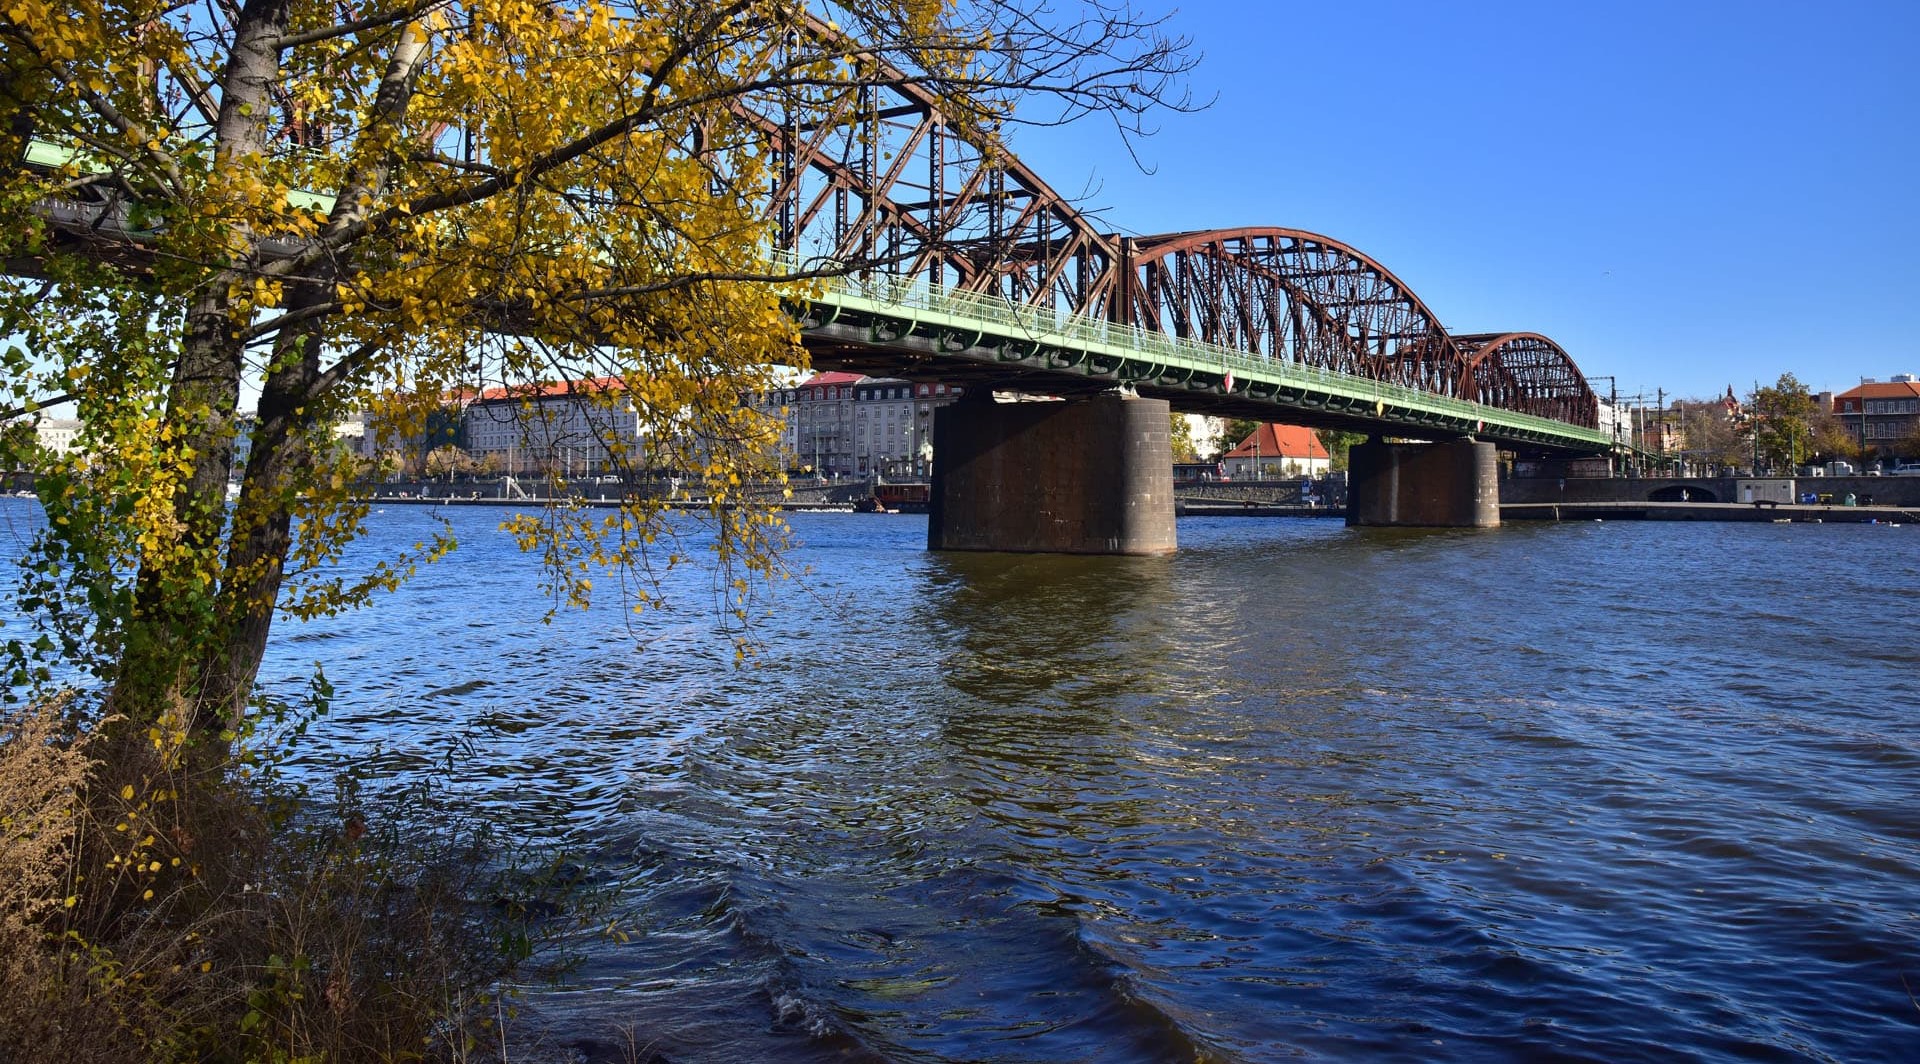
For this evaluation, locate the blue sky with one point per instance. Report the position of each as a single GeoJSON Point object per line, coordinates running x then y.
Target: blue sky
{"type": "Point", "coordinates": [1685, 195]}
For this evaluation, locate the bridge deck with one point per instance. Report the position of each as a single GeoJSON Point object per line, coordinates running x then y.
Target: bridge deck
{"type": "Point", "coordinates": [892, 325]}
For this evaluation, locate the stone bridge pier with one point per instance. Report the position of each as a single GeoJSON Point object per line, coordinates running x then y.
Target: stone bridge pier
{"type": "Point", "coordinates": [1081, 476]}
{"type": "Point", "coordinates": [1452, 484]}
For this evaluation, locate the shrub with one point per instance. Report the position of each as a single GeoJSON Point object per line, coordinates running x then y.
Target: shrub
{"type": "Point", "coordinates": [249, 922]}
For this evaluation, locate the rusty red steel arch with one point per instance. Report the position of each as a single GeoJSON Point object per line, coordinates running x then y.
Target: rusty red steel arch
{"type": "Point", "coordinates": [1529, 373]}
{"type": "Point", "coordinates": [882, 177]}
{"type": "Point", "coordinates": [886, 180]}
{"type": "Point", "coordinates": [1288, 295]}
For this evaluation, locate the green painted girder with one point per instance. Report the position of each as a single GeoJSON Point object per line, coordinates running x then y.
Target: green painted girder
{"type": "Point", "coordinates": [1069, 344]}
{"type": "Point", "coordinates": [48, 155]}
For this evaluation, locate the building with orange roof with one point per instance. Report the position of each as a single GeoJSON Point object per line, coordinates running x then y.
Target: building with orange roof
{"type": "Point", "coordinates": [1882, 416]}
{"type": "Point", "coordinates": [1277, 451]}
{"type": "Point", "coordinates": [575, 428]}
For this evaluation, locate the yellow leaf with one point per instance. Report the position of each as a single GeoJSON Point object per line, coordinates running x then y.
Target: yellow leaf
{"type": "Point", "coordinates": [126, 793]}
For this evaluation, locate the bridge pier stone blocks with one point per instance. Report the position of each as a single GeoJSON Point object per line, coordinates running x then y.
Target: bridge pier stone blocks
{"type": "Point", "coordinates": [1455, 484]}
{"type": "Point", "coordinates": [1088, 476]}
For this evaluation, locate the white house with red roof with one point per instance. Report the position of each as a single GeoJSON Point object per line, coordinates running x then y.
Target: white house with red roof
{"type": "Point", "coordinates": [1277, 451]}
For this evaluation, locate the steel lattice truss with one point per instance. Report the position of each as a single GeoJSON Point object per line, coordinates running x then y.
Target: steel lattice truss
{"type": "Point", "coordinates": [1527, 371]}
{"type": "Point", "coordinates": [871, 175]}
{"type": "Point", "coordinates": [885, 180]}
{"type": "Point", "coordinates": [1289, 296]}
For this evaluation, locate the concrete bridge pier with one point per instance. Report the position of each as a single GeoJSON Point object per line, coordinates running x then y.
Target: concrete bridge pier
{"type": "Point", "coordinates": [1455, 484]}
{"type": "Point", "coordinates": [1085, 476]}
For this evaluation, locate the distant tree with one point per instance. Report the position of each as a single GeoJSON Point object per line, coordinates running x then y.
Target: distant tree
{"type": "Point", "coordinates": [1185, 448]}
{"type": "Point", "coordinates": [19, 445]}
{"type": "Point", "coordinates": [444, 427]}
{"type": "Point", "coordinates": [1711, 434]}
{"type": "Point", "coordinates": [1783, 421]}
{"type": "Point", "coordinates": [449, 460]}
{"type": "Point", "coordinates": [1236, 430]}
{"type": "Point", "coordinates": [1338, 444]}
{"type": "Point", "coordinates": [1908, 446]}
{"type": "Point", "coordinates": [1831, 438]}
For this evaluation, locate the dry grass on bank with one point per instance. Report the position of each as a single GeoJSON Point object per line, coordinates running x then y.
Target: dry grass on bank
{"type": "Point", "coordinates": [148, 918]}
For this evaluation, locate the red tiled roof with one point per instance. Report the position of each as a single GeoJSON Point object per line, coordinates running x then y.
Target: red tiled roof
{"type": "Point", "coordinates": [832, 377]}
{"type": "Point", "coordinates": [545, 389]}
{"type": "Point", "coordinates": [1883, 390]}
{"type": "Point", "coordinates": [1280, 441]}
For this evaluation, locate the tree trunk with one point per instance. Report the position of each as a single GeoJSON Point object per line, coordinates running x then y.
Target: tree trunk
{"type": "Point", "coordinates": [164, 660]}
{"type": "Point", "coordinates": [262, 527]}
{"type": "Point", "coordinates": [289, 422]}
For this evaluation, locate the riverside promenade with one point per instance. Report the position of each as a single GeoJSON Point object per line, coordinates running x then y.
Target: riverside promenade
{"type": "Point", "coordinates": [1894, 500]}
{"type": "Point", "coordinates": [1708, 511]}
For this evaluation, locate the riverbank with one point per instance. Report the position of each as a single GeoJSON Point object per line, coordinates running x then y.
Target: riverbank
{"type": "Point", "coordinates": [1707, 511]}
{"type": "Point", "coordinates": [537, 501]}
{"type": "Point", "coordinates": [1525, 511]}
{"type": "Point", "coordinates": [1214, 508]}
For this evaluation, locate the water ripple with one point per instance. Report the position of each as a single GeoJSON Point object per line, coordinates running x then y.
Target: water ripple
{"type": "Point", "coordinates": [1603, 792]}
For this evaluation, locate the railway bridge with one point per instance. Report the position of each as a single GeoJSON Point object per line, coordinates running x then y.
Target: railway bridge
{"type": "Point", "coordinates": [987, 275]}
{"type": "Point", "coordinates": [931, 253]}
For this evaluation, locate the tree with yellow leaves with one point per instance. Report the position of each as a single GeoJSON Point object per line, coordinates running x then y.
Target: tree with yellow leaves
{"type": "Point", "coordinates": [389, 206]}
{"type": "Point", "coordinates": [379, 206]}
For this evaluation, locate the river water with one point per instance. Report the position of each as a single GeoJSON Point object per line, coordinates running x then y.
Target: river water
{"type": "Point", "coordinates": [1604, 791]}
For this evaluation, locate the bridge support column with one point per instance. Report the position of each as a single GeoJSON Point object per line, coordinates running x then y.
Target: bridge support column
{"type": "Point", "coordinates": [1440, 485]}
{"type": "Point", "coordinates": [1091, 476]}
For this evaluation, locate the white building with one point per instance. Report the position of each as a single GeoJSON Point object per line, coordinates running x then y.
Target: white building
{"type": "Point", "coordinates": [1615, 422]}
{"type": "Point", "coordinates": [576, 428]}
{"type": "Point", "coordinates": [57, 434]}
{"type": "Point", "coordinates": [847, 424]}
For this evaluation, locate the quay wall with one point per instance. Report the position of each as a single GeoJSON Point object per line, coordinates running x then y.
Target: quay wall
{"type": "Point", "coordinates": [1882, 491]}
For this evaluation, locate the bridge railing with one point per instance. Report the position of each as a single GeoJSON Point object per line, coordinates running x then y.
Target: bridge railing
{"type": "Point", "coordinates": [1055, 327]}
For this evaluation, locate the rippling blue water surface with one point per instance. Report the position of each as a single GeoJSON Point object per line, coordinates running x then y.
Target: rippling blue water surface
{"type": "Point", "coordinates": [1551, 792]}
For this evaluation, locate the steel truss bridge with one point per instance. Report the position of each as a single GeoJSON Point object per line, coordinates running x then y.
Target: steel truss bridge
{"type": "Point", "coordinates": [944, 258]}
{"type": "Point", "coordinates": [988, 274]}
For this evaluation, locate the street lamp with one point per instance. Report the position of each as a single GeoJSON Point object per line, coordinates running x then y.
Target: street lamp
{"type": "Point", "coordinates": [1863, 430]}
